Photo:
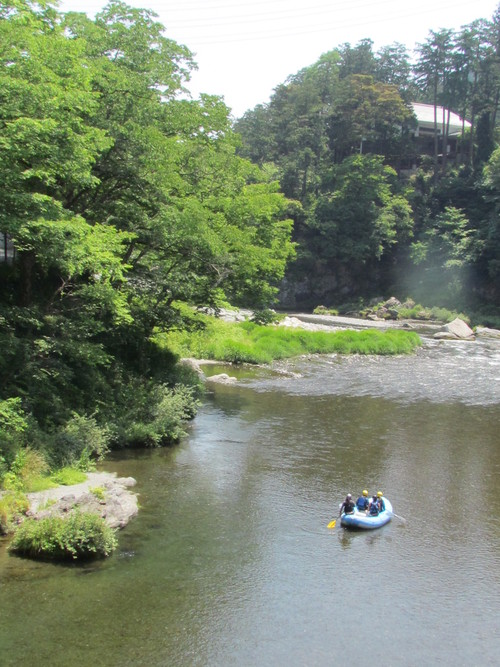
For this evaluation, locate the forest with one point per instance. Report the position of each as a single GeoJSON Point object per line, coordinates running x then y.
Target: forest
{"type": "Point", "coordinates": [127, 209]}
{"type": "Point", "coordinates": [385, 209]}
{"type": "Point", "coordinates": [124, 208]}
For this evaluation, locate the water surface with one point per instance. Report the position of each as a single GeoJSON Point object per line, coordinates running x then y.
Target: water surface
{"type": "Point", "coordinates": [230, 561]}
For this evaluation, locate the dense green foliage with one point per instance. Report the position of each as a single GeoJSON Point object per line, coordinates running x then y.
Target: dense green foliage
{"type": "Point", "coordinates": [29, 472]}
{"type": "Point", "coordinates": [13, 507]}
{"type": "Point", "coordinates": [253, 343]}
{"type": "Point", "coordinates": [80, 536]}
{"type": "Point", "coordinates": [124, 201]}
{"type": "Point", "coordinates": [127, 207]}
{"type": "Point", "coordinates": [339, 136]}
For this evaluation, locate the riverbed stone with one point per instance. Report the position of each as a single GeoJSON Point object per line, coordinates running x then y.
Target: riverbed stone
{"type": "Point", "coordinates": [102, 493]}
{"type": "Point", "coordinates": [458, 329]}
{"type": "Point", "coordinates": [486, 332]}
{"type": "Point", "coordinates": [224, 378]}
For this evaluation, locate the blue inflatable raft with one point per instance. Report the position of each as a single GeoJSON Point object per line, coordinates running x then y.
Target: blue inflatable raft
{"type": "Point", "coordinates": [365, 521]}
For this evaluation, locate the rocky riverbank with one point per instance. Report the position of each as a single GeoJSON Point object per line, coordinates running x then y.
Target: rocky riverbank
{"type": "Point", "coordinates": [102, 493]}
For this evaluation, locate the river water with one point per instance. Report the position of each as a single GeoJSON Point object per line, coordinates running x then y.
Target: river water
{"type": "Point", "coordinates": [230, 562]}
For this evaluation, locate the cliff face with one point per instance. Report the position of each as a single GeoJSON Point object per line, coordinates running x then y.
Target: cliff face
{"type": "Point", "coordinates": [306, 289]}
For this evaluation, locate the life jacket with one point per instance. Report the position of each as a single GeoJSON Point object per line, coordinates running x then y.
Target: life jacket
{"type": "Point", "coordinates": [362, 503]}
{"type": "Point", "coordinates": [348, 506]}
{"type": "Point", "coordinates": [374, 507]}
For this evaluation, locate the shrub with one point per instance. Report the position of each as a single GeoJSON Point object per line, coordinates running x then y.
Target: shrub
{"type": "Point", "coordinates": [29, 466]}
{"type": "Point", "coordinates": [80, 536]}
{"type": "Point", "coordinates": [266, 316]}
{"type": "Point", "coordinates": [158, 416]}
{"type": "Point", "coordinates": [13, 426]}
{"type": "Point", "coordinates": [13, 505]}
{"type": "Point", "coordinates": [80, 442]}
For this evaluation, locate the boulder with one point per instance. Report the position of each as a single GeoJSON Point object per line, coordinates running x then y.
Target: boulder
{"type": "Point", "coordinates": [486, 332]}
{"type": "Point", "coordinates": [392, 303]}
{"type": "Point", "coordinates": [224, 378]}
{"type": "Point", "coordinates": [458, 329]}
{"type": "Point", "coordinates": [102, 493]}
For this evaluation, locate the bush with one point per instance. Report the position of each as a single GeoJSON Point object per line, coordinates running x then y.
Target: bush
{"type": "Point", "coordinates": [13, 505]}
{"type": "Point", "coordinates": [13, 426]}
{"type": "Point", "coordinates": [80, 536]}
{"type": "Point", "coordinates": [28, 467]}
{"type": "Point", "coordinates": [158, 417]}
{"type": "Point", "coordinates": [266, 316]}
{"type": "Point", "coordinates": [80, 442]}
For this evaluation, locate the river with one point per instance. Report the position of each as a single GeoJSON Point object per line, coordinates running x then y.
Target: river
{"type": "Point", "coordinates": [230, 562]}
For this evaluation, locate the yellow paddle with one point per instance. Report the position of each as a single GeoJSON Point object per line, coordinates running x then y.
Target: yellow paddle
{"type": "Point", "coordinates": [332, 523]}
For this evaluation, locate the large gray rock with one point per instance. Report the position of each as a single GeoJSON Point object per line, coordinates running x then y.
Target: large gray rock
{"type": "Point", "coordinates": [102, 493]}
{"type": "Point", "coordinates": [458, 329]}
{"type": "Point", "coordinates": [223, 378]}
{"type": "Point", "coordinates": [486, 332]}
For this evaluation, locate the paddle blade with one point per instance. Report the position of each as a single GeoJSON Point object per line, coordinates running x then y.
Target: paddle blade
{"type": "Point", "coordinates": [332, 523]}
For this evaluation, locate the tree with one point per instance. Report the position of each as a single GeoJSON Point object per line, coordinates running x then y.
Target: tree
{"type": "Point", "coordinates": [490, 230]}
{"type": "Point", "coordinates": [357, 60]}
{"type": "Point", "coordinates": [393, 67]}
{"type": "Point", "coordinates": [444, 254]}
{"type": "Point", "coordinates": [366, 111]}
{"type": "Point", "coordinates": [433, 71]}
{"type": "Point", "coordinates": [359, 218]}
{"type": "Point", "coordinates": [129, 208]}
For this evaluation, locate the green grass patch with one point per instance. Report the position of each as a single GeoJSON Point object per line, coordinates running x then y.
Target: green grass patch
{"type": "Point", "coordinates": [68, 476]}
{"type": "Point", "coordinates": [80, 536]}
{"type": "Point", "coordinates": [99, 492]}
{"type": "Point", "coordinates": [434, 314]}
{"type": "Point", "coordinates": [323, 310]}
{"type": "Point", "coordinates": [252, 343]}
{"type": "Point", "coordinates": [63, 477]}
{"type": "Point", "coordinates": [41, 484]}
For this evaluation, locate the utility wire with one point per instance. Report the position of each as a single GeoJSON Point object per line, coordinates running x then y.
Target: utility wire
{"type": "Point", "coordinates": [222, 38]}
{"type": "Point", "coordinates": [248, 8]}
{"type": "Point", "coordinates": [290, 12]}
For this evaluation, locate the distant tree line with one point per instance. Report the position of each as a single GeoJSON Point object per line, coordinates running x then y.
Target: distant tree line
{"type": "Point", "coordinates": [337, 135]}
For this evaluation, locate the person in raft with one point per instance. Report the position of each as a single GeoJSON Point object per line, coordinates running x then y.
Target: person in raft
{"type": "Point", "coordinates": [376, 504]}
{"type": "Point", "coordinates": [362, 502]}
{"type": "Point", "coordinates": [347, 506]}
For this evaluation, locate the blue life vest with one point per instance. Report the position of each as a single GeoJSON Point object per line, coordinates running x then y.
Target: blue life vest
{"type": "Point", "coordinates": [362, 503]}
{"type": "Point", "coordinates": [374, 507]}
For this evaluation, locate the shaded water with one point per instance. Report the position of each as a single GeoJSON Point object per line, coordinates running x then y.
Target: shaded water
{"type": "Point", "coordinates": [230, 561]}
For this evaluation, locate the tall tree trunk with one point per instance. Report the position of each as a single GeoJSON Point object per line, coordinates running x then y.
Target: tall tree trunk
{"type": "Point", "coordinates": [446, 133]}
{"type": "Point", "coordinates": [436, 140]}
{"type": "Point", "coordinates": [27, 264]}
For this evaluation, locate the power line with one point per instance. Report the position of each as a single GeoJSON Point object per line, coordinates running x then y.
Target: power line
{"type": "Point", "coordinates": [223, 38]}
{"type": "Point", "coordinates": [254, 17]}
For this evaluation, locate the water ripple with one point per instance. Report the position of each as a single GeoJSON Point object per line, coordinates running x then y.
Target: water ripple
{"type": "Point", "coordinates": [441, 372]}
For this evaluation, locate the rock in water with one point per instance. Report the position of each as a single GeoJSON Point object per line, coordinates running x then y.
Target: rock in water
{"type": "Point", "coordinates": [458, 329]}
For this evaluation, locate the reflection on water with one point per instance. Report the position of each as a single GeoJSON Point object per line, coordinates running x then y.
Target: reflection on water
{"type": "Point", "coordinates": [230, 561]}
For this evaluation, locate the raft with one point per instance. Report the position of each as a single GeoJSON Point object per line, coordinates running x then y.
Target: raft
{"type": "Point", "coordinates": [366, 522]}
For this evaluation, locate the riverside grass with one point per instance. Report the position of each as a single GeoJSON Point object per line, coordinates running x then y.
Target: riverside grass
{"type": "Point", "coordinates": [247, 342]}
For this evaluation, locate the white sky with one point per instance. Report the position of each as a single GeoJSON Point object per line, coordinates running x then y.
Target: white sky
{"type": "Point", "coordinates": [245, 48]}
